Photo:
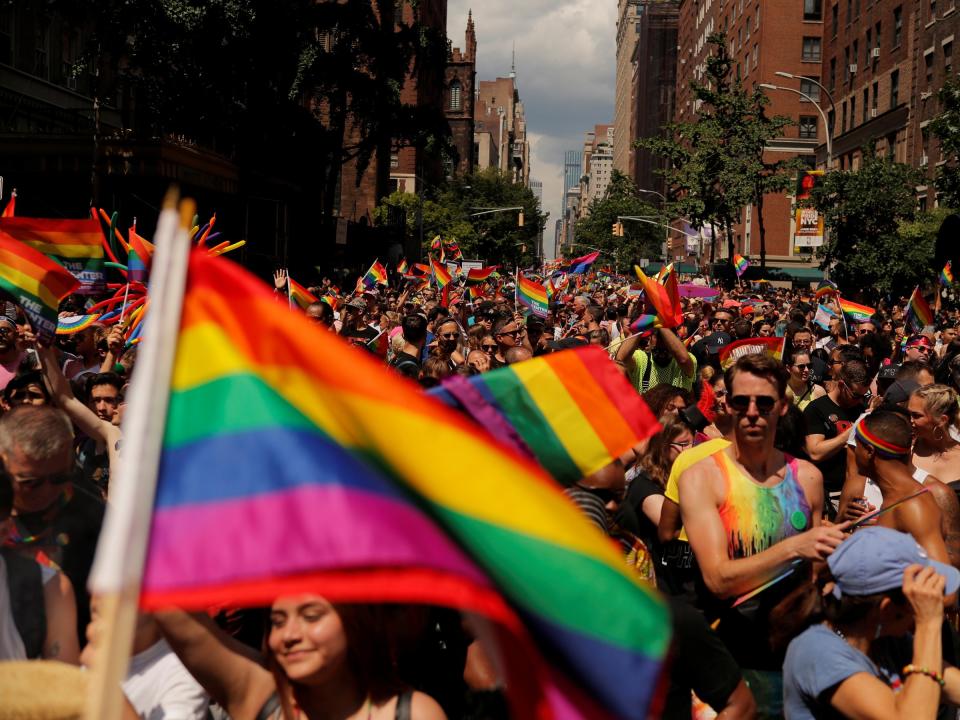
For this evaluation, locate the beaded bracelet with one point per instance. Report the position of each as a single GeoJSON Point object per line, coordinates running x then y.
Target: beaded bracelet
{"type": "Point", "coordinates": [915, 670]}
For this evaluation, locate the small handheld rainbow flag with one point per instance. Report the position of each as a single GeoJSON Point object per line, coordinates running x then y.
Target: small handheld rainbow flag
{"type": "Point", "coordinates": [825, 289]}
{"type": "Point", "coordinates": [440, 273]}
{"type": "Point", "coordinates": [479, 276]}
{"type": "Point", "coordinates": [75, 323]}
{"type": "Point", "coordinates": [403, 267]}
{"type": "Point", "coordinates": [645, 323]}
{"type": "Point", "coordinates": [36, 282]}
{"type": "Point", "coordinates": [770, 346]}
{"type": "Point", "coordinates": [533, 296]}
{"type": "Point", "coordinates": [919, 314]}
{"type": "Point", "coordinates": [376, 275]}
{"type": "Point", "coordinates": [740, 264]}
{"type": "Point", "coordinates": [138, 257]}
{"type": "Point", "coordinates": [298, 295]}
{"type": "Point", "coordinates": [946, 275]}
{"type": "Point", "coordinates": [855, 312]}
{"type": "Point", "coordinates": [10, 209]}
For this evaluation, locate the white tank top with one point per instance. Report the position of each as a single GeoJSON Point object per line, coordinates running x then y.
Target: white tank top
{"type": "Point", "coordinates": [871, 491]}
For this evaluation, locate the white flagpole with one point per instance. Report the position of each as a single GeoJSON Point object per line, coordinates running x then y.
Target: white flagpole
{"type": "Point", "coordinates": [121, 551]}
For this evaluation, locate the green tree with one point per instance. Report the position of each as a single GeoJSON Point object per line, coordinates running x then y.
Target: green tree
{"type": "Point", "coordinates": [449, 211]}
{"type": "Point", "coordinates": [946, 127]}
{"type": "Point", "coordinates": [716, 164]}
{"type": "Point", "coordinates": [868, 214]}
{"type": "Point", "coordinates": [639, 239]}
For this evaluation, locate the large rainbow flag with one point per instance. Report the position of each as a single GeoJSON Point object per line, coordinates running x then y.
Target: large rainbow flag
{"type": "Point", "coordinates": [36, 282]}
{"type": "Point", "coordinates": [533, 296]}
{"type": "Point", "coordinates": [573, 411]}
{"type": "Point", "coordinates": [75, 244]}
{"type": "Point", "coordinates": [440, 273]}
{"type": "Point", "coordinates": [306, 458]}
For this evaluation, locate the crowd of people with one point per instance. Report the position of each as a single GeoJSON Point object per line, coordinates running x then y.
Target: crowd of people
{"type": "Point", "coordinates": [798, 510]}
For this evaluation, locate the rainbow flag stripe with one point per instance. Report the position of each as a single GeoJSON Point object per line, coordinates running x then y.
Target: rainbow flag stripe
{"type": "Point", "coordinates": [533, 296]}
{"type": "Point", "coordinates": [440, 273]}
{"type": "Point", "coordinates": [304, 457]}
{"type": "Point", "coordinates": [299, 295]}
{"type": "Point", "coordinates": [74, 244]}
{"type": "Point", "coordinates": [138, 257]}
{"type": "Point", "coordinates": [856, 312]}
{"type": "Point", "coordinates": [772, 347]}
{"type": "Point", "coordinates": [918, 310]}
{"type": "Point", "coordinates": [75, 323]}
{"type": "Point", "coordinates": [572, 411]}
{"type": "Point", "coordinates": [825, 289]}
{"type": "Point", "coordinates": [403, 266]}
{"type": "Point", "coordinates": [36, 282]}
{"type": "Point", "coordinates": [376, 275]}
{"type": "Point", "coordinates": [740, 264]}
{"type": "Point", "coordinates": [946, 275]}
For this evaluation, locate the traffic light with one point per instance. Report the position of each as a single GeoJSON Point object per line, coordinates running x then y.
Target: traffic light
{"type": "Point", "coordinates": [618, 229]}
{"type": "Point", "coordinates": [807, 180]}
{"type": "Point", "coordinates": [520, 219]}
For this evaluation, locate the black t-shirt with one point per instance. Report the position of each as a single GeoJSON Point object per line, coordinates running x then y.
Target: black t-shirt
{"type": "Point", "coordinates": [701, 663]}
{"type": "Point", "coordinates": [824, 417]}
{"type": "Point", "coordinates": [366, 333]}
{"type": "Point", "coordinates": [406, 364]}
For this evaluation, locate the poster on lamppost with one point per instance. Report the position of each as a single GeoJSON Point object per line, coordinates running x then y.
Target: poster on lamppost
{"type": "Point", "coordinates": [808, 230]}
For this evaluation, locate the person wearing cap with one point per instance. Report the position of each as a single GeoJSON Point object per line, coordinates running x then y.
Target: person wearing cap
{"type": "Point", "coordinates": [883, 586]}
{"type": "Point", "coordinates": [354, 328]}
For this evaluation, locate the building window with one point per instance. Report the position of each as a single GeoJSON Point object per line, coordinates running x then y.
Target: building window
{"type": "Point", "coordinates": [813, 9]}
{"type": "Point", "coordinates": [928, 66]}
{"type": "Point", "coordinates": [856, 8]}
{"type": "Point", "coordinates": [833, 73]}
{"type": "Point", "coordinates": [853, 112]}
{"type": "Point", "coordinates": [394, 161]}
{"type": "Point", "coordinates": [843, 118]}
{"type": "Point", "coordinates": [811, 49]}
{"type": "Point", "coordinates": [831, 121]}
{"type": "Point", "coordinates": [810, 88]}
{"type": "Point", "coordinates": [6, 34]}
{"type": "Point", "coordinates": [855, 55]}
{"type": "Point", "coordinates": [834, 20]}
{"type": "Point", "coordinates": [808, 127]}
{"type": "Point", "coordinates": [456, 95]}
{"type": "Point", "coordinates": [866, 104]}
{"type": "Point", "coordinates": [933, 9]}
{"type": "Point", "coordinates": [846, 64]}
{"type": "Point", "coordinates": [894, 88]}
{"type": "Point", "coordinates": [876, 96]}
{"type": "Point", "coordinates": [877, 33]}
{"type": "Point", "coordinates": [897, 26]}
{"type": "Point", "coordinates": [849, 11]}
{"type": "Point", "coordinates": [756, 19]}
{"type": "Point", "coordinates": [867, 46]}
{"type": "Point", "coordinates": [948, 58]}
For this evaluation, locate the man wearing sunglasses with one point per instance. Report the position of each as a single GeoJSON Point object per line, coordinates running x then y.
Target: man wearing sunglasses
{"type": "Point", "coordinates": [829, 421]}
{"type": "Point", "coordinates": [750, 511]}
{"type": "Point", "coordinates": [918, 347]}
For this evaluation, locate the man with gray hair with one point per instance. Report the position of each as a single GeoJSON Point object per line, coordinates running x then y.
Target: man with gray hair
{"type": "Point", "coordinates": [56, 521]}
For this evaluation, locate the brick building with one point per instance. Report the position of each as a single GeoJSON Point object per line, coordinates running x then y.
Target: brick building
{"type": "Point", "coordinates": [499, 113]}
{"type": "Point", "coordinates": [654, 84]}
{"type": "Point", "coordinates": [765, 37]}
{"type": "Point", "coordinates": [628, 17]}
{"type": "Point", "coordinates": [460, 80]}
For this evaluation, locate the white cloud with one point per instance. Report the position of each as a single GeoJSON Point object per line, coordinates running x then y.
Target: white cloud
{"type": "Point", "coordinates": [565, 72]}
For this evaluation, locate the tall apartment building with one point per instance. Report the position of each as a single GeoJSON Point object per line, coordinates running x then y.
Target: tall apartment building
{"type": "Point", "coordinates": [883, 64]}
{"type": "Point", "coordinates": [654, 85]}
{"type": "Point", "coordinates": [499, 112]}
{"type": "Point", "coordinates": [597, 167]}
{"type": "Point", "coordinates": [628, 12]}
{"type": "Point", "coordinates": [765, 37]}
{"type": "Point", "coordinates": [536, 187]}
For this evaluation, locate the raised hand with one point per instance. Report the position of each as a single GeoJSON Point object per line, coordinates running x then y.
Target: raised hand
{"type": "Point", "coordinates": [280, 279]}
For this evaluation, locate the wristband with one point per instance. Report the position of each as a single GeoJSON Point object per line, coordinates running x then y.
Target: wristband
{"type": "Point", "coordinates": [916, 670]}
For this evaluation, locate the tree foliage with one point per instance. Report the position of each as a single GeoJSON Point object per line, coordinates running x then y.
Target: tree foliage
{"type": "Point", "coordinates": [496, 237]}
{"type": "Point", "coordinates": [872, 239]}
{"type": "Point", "coordinates": [716, 164]}
{"type": "Point", "coordinates": [640, 240]}
{"type": "Point", "coordinates": [946, 127]}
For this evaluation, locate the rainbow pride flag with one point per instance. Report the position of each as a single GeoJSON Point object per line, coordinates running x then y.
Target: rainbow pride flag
{"type": "Point", "coordinates": [403, 266]}
{"type": "Point", "coordinates": [918, 313]}
{"type": "Point", "coordinates": [298, 295]}
{"type": "Point", "coordinates": [10, 209]}
{"type": "Point", "coordinates": [36, 282]}
{"type": "Point", "coordinates": [825, 289]}
{"type": "Point", "coordinates": [74, 244]}
{"type": "Point", "coordinates": [645, 322]}
{"type": "Point", "coordinates": [533, 296]}
{"type": "Point", "coordinates": [946, 275]}
{"type": "Point", "coordinates": [856, 312]}
{"type": "Point", "coordinates": [478, 276]}
{"type": "Point", "coordinates": [304, 457]}
{"type": "Point", "coordinates": [376, 275]}
{"type": "Point", "coordinates": [770, 346]}
{"type": "Point", "coordinates": [138, 257]}
{"type": "Point", "coordinates": [75, 323]}
{"type": "Point", "coordinates": [740, 264]}
{"type": "Point", "coordinates": [572, 411]}
{"type": "Point", "coordinates": [440, 273]}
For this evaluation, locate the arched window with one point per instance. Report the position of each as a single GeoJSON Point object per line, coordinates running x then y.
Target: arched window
{"type": "Point", "coordinates": [456, 92]}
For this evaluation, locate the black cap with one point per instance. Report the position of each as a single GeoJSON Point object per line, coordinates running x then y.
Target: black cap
{"type": "Point", "coordinates": [716, 342]}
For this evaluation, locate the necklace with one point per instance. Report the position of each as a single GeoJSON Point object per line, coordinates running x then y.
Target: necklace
{"type": "Point", "coordinates": [837, 632]}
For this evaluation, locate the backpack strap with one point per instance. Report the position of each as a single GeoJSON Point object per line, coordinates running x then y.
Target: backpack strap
{"type": "Point", "coordinates": [404, 705]}
{"type": "Point", "coordinates": [27, 603]}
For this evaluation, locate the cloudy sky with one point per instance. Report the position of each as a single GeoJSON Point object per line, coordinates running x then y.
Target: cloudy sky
{"type": "Point", "coordinates": [565, 72]}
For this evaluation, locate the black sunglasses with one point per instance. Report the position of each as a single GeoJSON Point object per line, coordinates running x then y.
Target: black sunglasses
{"type": "Point", "coordinates": [741, 403]}
{"type": "Point", "coordinates": [801, 366]}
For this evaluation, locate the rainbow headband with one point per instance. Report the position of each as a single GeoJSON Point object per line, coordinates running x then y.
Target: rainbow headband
{"type": "Point", "coordinates": [884, 449]}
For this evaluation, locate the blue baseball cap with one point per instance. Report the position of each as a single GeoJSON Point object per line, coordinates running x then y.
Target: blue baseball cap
{"type": "Point", "coordinates": [872, 561]}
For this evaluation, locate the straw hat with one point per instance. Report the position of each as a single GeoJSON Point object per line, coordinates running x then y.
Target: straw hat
{"type": "Point", "coordinates": [41, 690]}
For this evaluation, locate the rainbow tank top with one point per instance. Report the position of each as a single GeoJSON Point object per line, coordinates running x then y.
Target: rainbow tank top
{"type": "Point", "coordinates": [756, 517]}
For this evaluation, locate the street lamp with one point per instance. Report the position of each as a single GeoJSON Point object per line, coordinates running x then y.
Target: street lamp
{"type": "Point", "coordinates": [826, 92]}
{"type": "Point", "coordinates": [826, 125]}
{"type": "Point", "coordinates": [666, 236]}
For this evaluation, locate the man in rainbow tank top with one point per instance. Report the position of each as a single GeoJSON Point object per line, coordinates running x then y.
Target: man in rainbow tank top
{"type": "Point", "coordinates": [751, 513]}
